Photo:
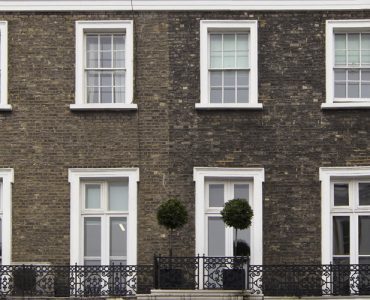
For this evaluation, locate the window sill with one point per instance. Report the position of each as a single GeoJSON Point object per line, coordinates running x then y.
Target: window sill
{"type": "Point", "coordinates": [346, 105]}
{"type": "Point", "coordinates": [246, 106]}
{"type": "Point", "coordinates": [105, 106]}
{"type": "Point", "coordinates": [5, 107]}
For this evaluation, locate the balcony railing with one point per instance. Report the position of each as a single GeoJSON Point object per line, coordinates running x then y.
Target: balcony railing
{"type": "Point", "coordinates": [186, 273]}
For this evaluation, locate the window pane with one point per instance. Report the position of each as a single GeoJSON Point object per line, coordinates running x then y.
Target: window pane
{"type": "Point", "coordinates": [353, 75]}
{"type": "Point", "coordinates": [340, 41]}
{"type": "Point", "coordinates": [216, 50]}
{"type": "Point", "coordinates": [92, 237]}
{"type": "Point", "coordinates": [119, 78]}
{"type": "Point", "coordinates": [92, 43]}
{"type": "Point", "coordinates": [92, 78]}
{"type": "Point", "coordinates": [365, 42]}
{"type": "Point", "coordinates": [243, 78]}
{"type": "Point", "coordinates": [216, 236]}
{"type": "Point", "coordinates": [216, 95]}
{"type": "Point", "coordinates": [340, 90]}
{"type": "Point", "coordinates": [353, 41]}
{"type": "Point", "coordinates": [241, 191]}
{"type": "Point", "coordinates": [119, 42]}
{"type": "Point", "coordinates": [118, 196]}
{"type": "Point", "coordinates": [106, 79]}
{"type": "Point", "coordinates": [216, 42]}
{"type": "Point", "coordinates": [341, 197]}
{"type": "Point", "coordinates": [216, 60]}
{"type": "Point", "coordinates": [242, 42]}
{"type": "Point", "coordinates": [339, 75]}
{"type": "Point", "coordinates": [229, 78]}
{"type": "Point", "coordinates": [119, 59]}
{"type": "Point", "coordinates": [106, 59]}
{"type": "Point", "coordinates": [365, 75]}
{"type": "Point", "coordinates": [341, 235]}
{"type": "Point", "coordinates": [92, 262]}
{"type": "Point", "coordinates": [365, 90]}
{"type": "Point", "coordinates": [340, 57]}
{"type": "Point", "coordinates": [92, 95]}
{"type": "Point", "coordinates": [106, 42]}
{"type": "Point", "coordinates": [353, 57]}
{"type": "Point", "coordinates": [216, 195]}
{"type": "Point", "coordinates": [119, 95]}
{"type": "Point", "coordinates": [229, 51]}
{"type": "Point", "coordinates": [364, 193]}
{"type": "Point", "coordinates": [106, 95]}
{"type": "Point", "coordinates": [353, 90]}
{"type": "Point", "coordinates": [229, 59]}
{"type": "Point", "coordinates": [216, 78]}
{"type": "Point", "coordinates": [118, 262]}
{"type": "Point", "coordinates": [243, 242]}
{"type": "Point", "coordinates": [92, 59]}
{"type": "Point", "coordinates": [364, 235]}
{"type": "Point", "coordinates": [229, 95]}
{"type": "Point", "coordinates": [118, 237]}
{"type": "Point", "coordinates": [365, 261]}
{"type": "Point", "coordinates": [243, 95]}
{"type": "Point", "coordinates": [92, 194]}
{"type": "Point", "coordinates": [340, 260]}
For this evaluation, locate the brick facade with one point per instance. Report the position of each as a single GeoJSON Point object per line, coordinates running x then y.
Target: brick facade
{"type": "Point", "coordinates": [291, 137]}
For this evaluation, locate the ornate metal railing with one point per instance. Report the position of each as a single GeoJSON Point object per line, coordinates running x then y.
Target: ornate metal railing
{"type": "Point", "coordinates": [75, 281]}
{"type": "Point", "coordinates": [309, 280]}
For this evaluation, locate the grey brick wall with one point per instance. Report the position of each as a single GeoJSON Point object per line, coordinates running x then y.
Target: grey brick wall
{"type": "Point", "coordinates": [291, 137]}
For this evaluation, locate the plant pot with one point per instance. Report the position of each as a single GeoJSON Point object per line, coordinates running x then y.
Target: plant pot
{"type": "Point", "coordinates": [233, 279]}
{"type": "Point", "coordinates": [171, 279]}
{"type": "Point", "coordinates": [62, 284]}
{"type": "Point", "coordinates": [24, 281]}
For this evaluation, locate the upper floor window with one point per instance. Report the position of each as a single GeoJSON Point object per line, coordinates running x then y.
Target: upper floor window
{"type": "Point", "coordinates": [228, 62]}
{"type": "Point", "coordinates": [4, 66]}
{"type": "Point", "coordinates": [348, 64]}
{"type": "Point", "coordinates": [104, 65]}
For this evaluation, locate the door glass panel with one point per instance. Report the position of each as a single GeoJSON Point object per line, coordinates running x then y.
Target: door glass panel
{"type": "Point", "coordinates": [241, 191]}
{"type": "Point", "coordinates": [92, 237]}
{"type": "Point", "coordinates": [1, 238]}
{"type": "Point", "coordinates": [341, 236]}
{"type": "Point", "coordinates": [341, 197]}
{"type": "Point", "coordinates": [364, 193]}
{"type": "Point", "coordinates": [118, 236]}
{"type": "Point", "coordinates": [216, 236]}
{"type": "Point", "coordinates": [118, 196]}
{"type": "Point", "coordinates": [243, 242]}
{"type": "Point", "coordinates": [216, 195]}
{"type": "Point", "coordinates": [92, 192]}
{"type": "Point", "coordinates": [364, 235]}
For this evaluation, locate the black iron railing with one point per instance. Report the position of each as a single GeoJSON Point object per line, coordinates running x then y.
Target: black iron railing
{"type": "Point", "coordinates": [309, 280]}
{"type": "Point", "coordinates": [75, 281]}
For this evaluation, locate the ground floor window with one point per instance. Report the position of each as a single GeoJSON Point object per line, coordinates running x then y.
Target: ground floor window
{"type": "Point", "coordinates": [6, 180]}
{"type": "Point", "coordinates": [214, 187]}
{"type": "Point", "coordinates": [103, 216]}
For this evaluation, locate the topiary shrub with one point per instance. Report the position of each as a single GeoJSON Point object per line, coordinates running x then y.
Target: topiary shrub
{"type": "Point", "coordinates": [238, 214]}
{"type": "Point", "coordinates": [172, 214]}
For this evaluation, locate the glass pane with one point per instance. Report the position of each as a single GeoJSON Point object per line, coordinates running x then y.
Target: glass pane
{"type": "Point", "coordinates": [92, 262]}
{"type": "Point", "coordinates": [365, 75]}
{"type": "Point", "coordinates": [106, 42]}
{"type": "Point", "coordinates": [243, 95]}
{"type": "Point", "coordinates": [229, 78]}
{"type": "Point", "coordinates": [92, 237]}
{"type": "Point", "coordinates": [92, 78]}
{"type": "Point", "coordinates": [353, 75]}
{"type": "Point", "coordinates": [118, 196]}
{"type": "Point", "coordinates": [243, 242]}
{"type": "Point", "coordinates": [243, 78]}
{"type": "Point", "coordinates": [106, 59]}
{"type": "Point", "coordinates": [340, 90]}
{"type": "Point", "coordinates": [353, 57]}
{"type": "Point", "coordinates": [341, 197]}
{"type": "Point", "coordinates": [119, 78]}
{"type": "Point", "coordinates": [363, 235]}
{"type": "Point", "coordinates": [340, 57]}
{"type": "Point", "coordinates": [229, 59]}
{"type": "Point", "coordinates": [216, 50]}
{"type": "Point", "coordinates": [339, 75]}
{"type": "Point", "coordinates": [92, 59]}
{"type": "Point", "coordinates": [119, 42]}
{"type": "Point", "coordinates": [353, 41]}
{"type": "Point", "coordinates": [216, 236]}
{"type": "Point", "coordinates": [365, 57]}
{"type": "Point", "coordinates": [119, 59]}
{"type": "Point", "coordinates": [118, 262]}
{"type": "Point", "coordinates": [92, 43]}
{"type": "Point", "coordinates": [216, 95]}
{"type": "Point", "coordinates": [216, 78]}
{"type": "Point", "coordinates": [229, 95]}
{"type": "Point", "coordinates": [119, 95]}
{"type": "Point", "coordinates": [92, 95]}
{"type": "Point", "coordinates": [216, 60]}
{"type": "Point", "coordinates": [118, 237]}
{"type": "Point", "coordinates": [229, 51]}
{"type": "Point", "coordinates": [241, 191]}
{"type": "Point", "coordinates": [340, 260]}
{"type": "Point", "coordinates": [216, 42]}
{"type": "Point", "coordinates": [353, 90]}
{"type": "Point", "coordinates": [365, 42]}
{"type": "Point", "coordinates": [92, 196]}
{"type": "Point", "coordinates": [106, 95]}
{"type": "Point", "coordinates": [242, 42]}
{"type": "Point", "coordinates": [364, 193]}
{"type": "Point", "coordinates": [365, 90]}
{"type": "Point", "coordinates": [242, 60]}
{"type": "Point", "coordinates": [340, 41]}
{"type": "Point", "coordinates": [341, 235]}
{"type": "Point", "coordinates": [216, 195]}
{"type": "Point", "coordinates": [365, 261]}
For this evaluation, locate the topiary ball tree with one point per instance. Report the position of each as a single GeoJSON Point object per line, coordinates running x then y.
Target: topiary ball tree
{"type": "Point", "coordinates": [172, 214]}
{"type": "Point", "coordinates": [238, 214]}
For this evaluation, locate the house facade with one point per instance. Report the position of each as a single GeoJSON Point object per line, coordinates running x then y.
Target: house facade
{"type": "Point", "coordinates": [110, 108]}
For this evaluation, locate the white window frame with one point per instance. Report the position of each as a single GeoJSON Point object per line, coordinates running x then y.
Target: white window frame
{"type": "Point", "coordinates": [254, 175]}
{"type": "Point", "coordinates": [83, 27]}
{"type": "Point", "coordinates": [328, 177]}
{"type": "Point", "coordinates": [333, 26]}
{"type": "Point", "coordinates": [7, 178]}
{"type": "Point", "coordinates": [207, 26]}
{"type": "Point", "coordinates": [4, 106]}
{"type": "Point", "coordinates": [76, 178]}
